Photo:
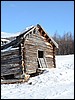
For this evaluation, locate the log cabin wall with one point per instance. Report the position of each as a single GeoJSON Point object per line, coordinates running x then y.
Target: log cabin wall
{"type": "Point", "coordinates": [34, 42]}
{"type": "Point", "coordinates": [11, 62]}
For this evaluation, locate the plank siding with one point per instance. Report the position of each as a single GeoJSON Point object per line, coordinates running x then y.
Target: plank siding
{"type": "Point", "coordinates": [31, 60]}
{"type": "Point", "coordinates": [11, 71]}
{"type": "Point", "coordinates": [10, 53]}
{"type": "Point", "coordinates": [10, 62]}
{"type": "Point", "coordinates": [32, 45]}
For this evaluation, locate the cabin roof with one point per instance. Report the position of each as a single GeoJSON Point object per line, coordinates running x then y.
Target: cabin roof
{"type": "Point", "coordinates": [18, 39]}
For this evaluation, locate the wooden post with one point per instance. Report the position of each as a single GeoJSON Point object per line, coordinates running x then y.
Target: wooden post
{"type": "Point", "coordinates": [54, 56]}
{"type": "Point", "coordinates": [22, 54]}
{"type": "Point", "coordinates": [20, 57]}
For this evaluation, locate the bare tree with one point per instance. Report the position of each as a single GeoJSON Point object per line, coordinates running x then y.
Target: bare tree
{"type": "Point", "coordinates": [66, 43]}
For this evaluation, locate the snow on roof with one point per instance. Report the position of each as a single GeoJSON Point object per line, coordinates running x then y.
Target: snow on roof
{"type": "Point", "coordinates": [29, 27]}
{"type": "Point", "coordinates": [4, 39]}
{"type": "Point", "coordinates": [7, 35]}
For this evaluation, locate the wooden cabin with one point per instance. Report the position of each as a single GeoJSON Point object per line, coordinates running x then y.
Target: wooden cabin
{"type": "Point", "coordinates": [27, 52]}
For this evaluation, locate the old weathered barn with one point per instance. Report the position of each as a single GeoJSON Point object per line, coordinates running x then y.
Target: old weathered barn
{"type": "Point", "coordinates": [30, 50]}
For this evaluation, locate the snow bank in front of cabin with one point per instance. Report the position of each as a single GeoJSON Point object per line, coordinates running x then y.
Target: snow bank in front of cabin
{"type": "Point", "coordinates": [54, 83]}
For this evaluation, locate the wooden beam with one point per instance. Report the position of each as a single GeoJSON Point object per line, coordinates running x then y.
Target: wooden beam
{"type": "Point", "coordinates": [9, 58]}
{"type": "Point", "coordinates": [11, 71]}
{"type": "Point", "coordinates": [45, 35]}
{"type": "Point", "coordinates": [48, 39]}
{"type": "Point", "coordinates": [41, 32]}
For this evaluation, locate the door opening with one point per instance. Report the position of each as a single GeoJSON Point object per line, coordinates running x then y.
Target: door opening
{"type": "Point", "coordinates": [41, 59]}
{"type": "Point", "coordinates": [40, 54]}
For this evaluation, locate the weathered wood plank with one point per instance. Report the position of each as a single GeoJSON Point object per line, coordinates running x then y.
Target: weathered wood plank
{"type": "Point", "coordinates": [13, 81]}
{"type": "Point", "coordinates": [37, 36]}
{"type": "Point", "coordinates": [49, 50]}
{"type": "Point", "coordinates": [6, 69]}
{"type": "Point", "coordinates": [31, 51]}
{"type": "Point", "coordinates": [31, 59]}
{"type": "Point", "coordinates": [37, 39]}
{"type": "Point", "coordinates": [49, 56]}
{"type": "Point", "coordinates": [31, 63]}
{"type": "Point", "coordinates": [11, 71]}
{"type": "Point", "coordinates": [50, 66]}
{"type": "Point", "coordinates": [30, 71]}
{"type": "Point", "coordinates": [37, 45]}
{"type": "Point", "coordinates": [51, 63]}
{"type": "Point", "coordinates": [31, 54]}
{"type": "Point", "coordinates": [10, 57]}
{"type": "Point", "coordinates": [10, 52]}
{"type": "Point", "coordinates": [34, 42]}
{"type": "Point", "coordinates": [15, 61]}
{"type": "Point", "coordinates": [9, 66]}
{"type": "Point", "coordinates": [48, 59]}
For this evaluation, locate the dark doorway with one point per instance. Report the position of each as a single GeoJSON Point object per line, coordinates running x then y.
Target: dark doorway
{"type": "Point", "coordinates": [40, 54]}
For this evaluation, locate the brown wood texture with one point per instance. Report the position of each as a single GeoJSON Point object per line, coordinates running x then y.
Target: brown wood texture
{"type": "Point", "coordinates": [31, 46]}
{"type": "Point", "coordinates": [11, 61]}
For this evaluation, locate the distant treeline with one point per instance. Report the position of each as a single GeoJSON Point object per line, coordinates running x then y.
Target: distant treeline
{"type": "Point", "coordinates": [65, 43]}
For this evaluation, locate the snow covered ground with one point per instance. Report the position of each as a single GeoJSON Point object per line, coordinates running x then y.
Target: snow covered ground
{"type": "Point", "coordinates": [54, 83]}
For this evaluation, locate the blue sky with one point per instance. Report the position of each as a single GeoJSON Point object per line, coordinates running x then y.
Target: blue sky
{"type": "Point", "coordinates": [51, 15]}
